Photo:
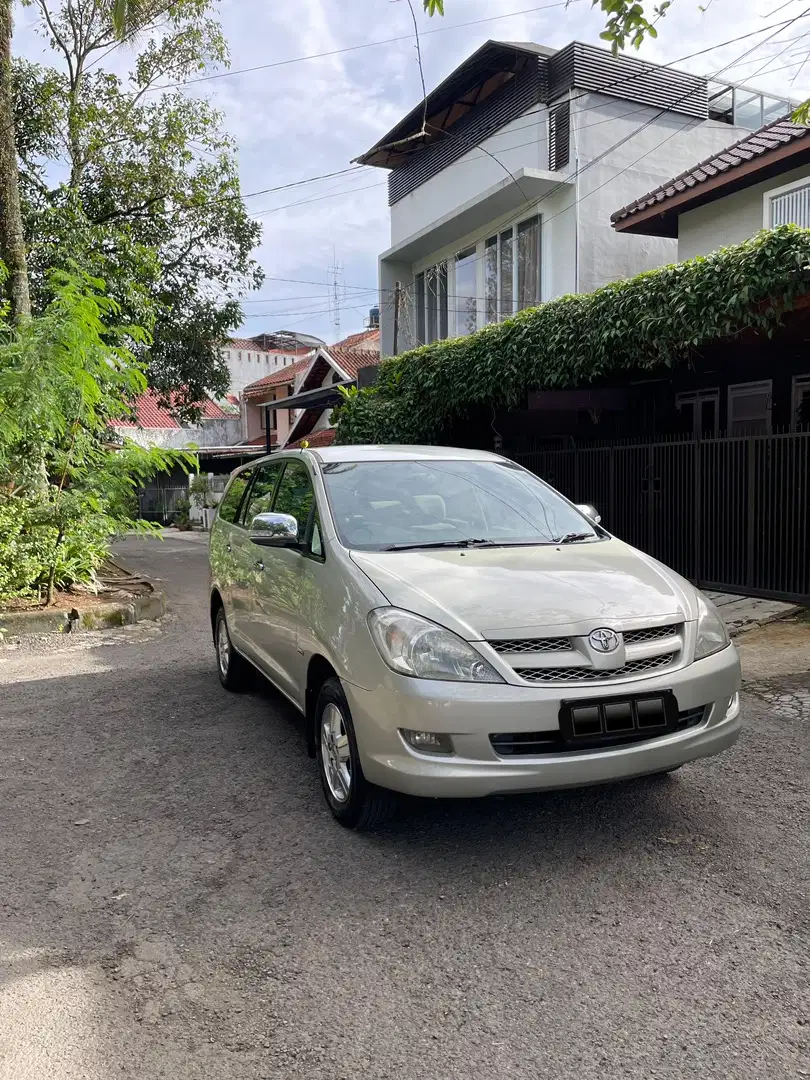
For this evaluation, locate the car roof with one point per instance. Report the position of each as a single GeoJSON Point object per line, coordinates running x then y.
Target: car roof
{"type": "Point", "coordinates": [403, 452]}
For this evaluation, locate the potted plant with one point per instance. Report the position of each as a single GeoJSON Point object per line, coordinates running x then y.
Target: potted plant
{"type": "Point", "coordinates": [202, 497]}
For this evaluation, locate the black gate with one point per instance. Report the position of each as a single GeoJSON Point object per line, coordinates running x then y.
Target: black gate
{"type": "Point", "coordinates": [727, 513]}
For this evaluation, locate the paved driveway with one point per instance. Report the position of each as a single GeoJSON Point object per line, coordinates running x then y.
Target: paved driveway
{"type": "Point", "coordinates": [175, 901]}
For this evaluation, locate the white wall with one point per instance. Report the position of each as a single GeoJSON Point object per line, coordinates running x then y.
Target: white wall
{"type": "Point", "coordinates": [248, 365]}
{"type": "Point", "coordinates": [523, 143]}
{"type": "Point", "coordinates": [210, 433]}
{"type": "Point", "coordinates": [731, 219]}
{"type": "Point", "coordinates": [636, 160]}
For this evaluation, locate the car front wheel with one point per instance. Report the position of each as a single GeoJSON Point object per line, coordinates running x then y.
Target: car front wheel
{"type": "Point", "coordinates": [355, 802]}
{"type": "Point", "coordinates": [234, 671]}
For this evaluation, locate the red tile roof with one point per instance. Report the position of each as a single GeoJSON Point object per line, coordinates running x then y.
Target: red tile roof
{"type": "Point", "coordinates": [281, 377]}
{"type": "Point", "coordinates": [367, 338]}
{"type": "Point", "coordinates": [324, 437]}
{"type": "Point", "coordinates": [758, 144]}
{"type": "Point", "coordinates": [150, 413]}
{"type": "Point", "coordinates": [351, 360]}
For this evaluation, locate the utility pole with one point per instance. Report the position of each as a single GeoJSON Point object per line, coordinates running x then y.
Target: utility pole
{"type": "Point", "coordinates": [397, 295]}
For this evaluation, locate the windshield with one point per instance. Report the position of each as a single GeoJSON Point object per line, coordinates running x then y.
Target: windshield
{"type": "Point", "coordinates": [379, 505]}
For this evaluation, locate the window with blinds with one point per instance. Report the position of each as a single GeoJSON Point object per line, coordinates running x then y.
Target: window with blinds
{"type": "Point", "coordinates": [792, 208]}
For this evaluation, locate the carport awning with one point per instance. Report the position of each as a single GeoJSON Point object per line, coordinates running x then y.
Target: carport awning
{"type": "Point", "coordinates": [324, 398]}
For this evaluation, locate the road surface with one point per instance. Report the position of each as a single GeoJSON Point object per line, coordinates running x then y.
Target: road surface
{"type": "Point", "coordinates": [175, 900]}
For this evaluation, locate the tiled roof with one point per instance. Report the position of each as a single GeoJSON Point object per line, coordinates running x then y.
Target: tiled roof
{"type": "Point", "coordinates": [351, 360]}
{"type": "Point", "coordinates": [150, 413]}
{"type": "Point", "coordinates": [281, 377]}
{"type": "Point", "coordinates": [324, 437]}
{"type": "Point", "coordinates": [756, 145]}
{"type": "Point", "coordinates": [367, 339]}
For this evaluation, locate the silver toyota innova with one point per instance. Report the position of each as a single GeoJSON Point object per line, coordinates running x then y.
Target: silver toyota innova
{"type": "Point", "coordinates": [450, 625]}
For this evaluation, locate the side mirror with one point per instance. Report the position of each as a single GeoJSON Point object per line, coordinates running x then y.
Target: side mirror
{"type": "Point", "coordinates": [590, 512]}
{"type": "Point", "coordinates": [274, 530]}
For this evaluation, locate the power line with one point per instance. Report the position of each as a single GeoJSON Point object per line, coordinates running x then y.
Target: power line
{"type": "Point", "coordinates": [364, 45]}
{"type": "Point", "coordinates": [545, 221]}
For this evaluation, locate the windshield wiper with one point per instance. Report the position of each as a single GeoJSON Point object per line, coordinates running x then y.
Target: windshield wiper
{"type": "Point", "coordinates": [466, 543]}
{"type": "Point", "coordinates": [573, 537]}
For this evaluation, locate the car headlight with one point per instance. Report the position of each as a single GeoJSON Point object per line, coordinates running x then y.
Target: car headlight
{"type": "Point", "coordinates": [712, 635]}
{"type": "Point", "coordinates": [411, 645]}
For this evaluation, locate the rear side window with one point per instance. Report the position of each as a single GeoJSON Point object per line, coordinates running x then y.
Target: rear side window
{"type": "Point", "coordinates": [232, 499]}
{"type": "Point", "coordinates": [260, 496]}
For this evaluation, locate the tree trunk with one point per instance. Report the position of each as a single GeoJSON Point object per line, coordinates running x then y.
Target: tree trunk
{"type": "Point", "coordinates": [12, 240]}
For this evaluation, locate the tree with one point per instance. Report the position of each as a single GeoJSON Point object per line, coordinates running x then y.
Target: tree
{"type": "Point", "coordinates": [62, 384]}
{"type": "Point", "coordinates": [151, 199]}
{"type": "Point", "coordinates": [12, 243]}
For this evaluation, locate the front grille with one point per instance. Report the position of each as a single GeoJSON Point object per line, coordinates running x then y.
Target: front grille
{"type": "Point", "coordinates": [653, 633]}
{"type": "Point", "coordinates": [532, 645]}
{"type": "Point", "coordinates": [586, 674]}
{"type": "Point", "coordinates": [529, 743]}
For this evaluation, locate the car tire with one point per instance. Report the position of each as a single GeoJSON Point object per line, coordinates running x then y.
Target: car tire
{"type": "Point", "coordinates": [235, 673]}
{"type": "Point", "coordinates": [354, 802]}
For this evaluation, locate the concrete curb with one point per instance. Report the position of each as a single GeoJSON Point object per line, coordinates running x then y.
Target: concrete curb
{"type": "Point", "coordinates": [735, 629]}
{"type": "Point", "coordinates": [104, 617]}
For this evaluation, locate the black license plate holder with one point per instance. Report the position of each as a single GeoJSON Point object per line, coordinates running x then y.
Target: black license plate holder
{"type": "Point", "coordinates": [624, 717]}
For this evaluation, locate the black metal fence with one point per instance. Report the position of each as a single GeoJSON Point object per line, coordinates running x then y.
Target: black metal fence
{"type": "Point", "coordinates": [729, 513]}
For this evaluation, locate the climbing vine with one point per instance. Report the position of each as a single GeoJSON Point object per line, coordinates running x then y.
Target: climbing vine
{"type": "Point", "coordinates": [656, 319]}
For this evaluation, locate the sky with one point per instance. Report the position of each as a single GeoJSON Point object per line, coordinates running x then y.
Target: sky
{"type": "Point", "coordinates": [303, 118]}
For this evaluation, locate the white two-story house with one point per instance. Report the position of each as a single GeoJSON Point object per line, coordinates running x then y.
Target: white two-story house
{"type": "Point", "coordinates": [502, 183]}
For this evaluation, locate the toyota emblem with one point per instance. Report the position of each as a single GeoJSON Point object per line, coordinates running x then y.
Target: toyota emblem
{"type": "Point", "coordinates": [604, 640]}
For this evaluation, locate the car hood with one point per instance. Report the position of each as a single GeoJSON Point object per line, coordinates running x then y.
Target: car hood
{"type": "Point", "coordinates": [524, 591]}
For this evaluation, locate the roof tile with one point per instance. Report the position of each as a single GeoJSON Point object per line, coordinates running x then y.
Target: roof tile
{"type": "Point", "coordinates": [282, 377]}
{"type": "Point", "coordinates": [150, 413]}
{"type": "Point", "coordinates": [770, 137]}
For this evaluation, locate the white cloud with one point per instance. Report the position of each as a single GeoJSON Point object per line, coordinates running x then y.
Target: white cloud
{"type": "Point", "coordinates": [312, 117]}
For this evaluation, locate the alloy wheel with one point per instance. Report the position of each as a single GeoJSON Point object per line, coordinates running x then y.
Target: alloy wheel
{"type": "Point", "coordinates": [336, 754]}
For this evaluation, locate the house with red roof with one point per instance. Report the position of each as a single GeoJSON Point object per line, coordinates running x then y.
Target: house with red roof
{"type": "Point", "coordinates": [250, 359]}
{"type": "Point", "coordinates": [309, 389]}
{"type": "Point", "coordinates": [154, 423]}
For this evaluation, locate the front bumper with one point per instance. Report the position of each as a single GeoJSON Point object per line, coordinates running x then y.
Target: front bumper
{"type": "Point", "coordinates": [472, 712]}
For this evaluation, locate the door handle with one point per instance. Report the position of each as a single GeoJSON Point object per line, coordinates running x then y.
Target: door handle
{"type": "Point", "coordinates": [259, 565]}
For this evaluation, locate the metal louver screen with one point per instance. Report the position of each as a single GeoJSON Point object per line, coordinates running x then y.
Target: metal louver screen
{"type": "Point", "coordinates": [512, 100]}
{"type": "Point", "coordinates": [559, 127]}
{"type": "Point", "coordinates": [792, 208]}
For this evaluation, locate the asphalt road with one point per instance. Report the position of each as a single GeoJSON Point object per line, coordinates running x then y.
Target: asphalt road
{"type": "Point", "coordinates": [175, 900]}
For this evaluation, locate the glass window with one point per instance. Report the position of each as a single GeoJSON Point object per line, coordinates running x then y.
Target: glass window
{"type": "Point", "coordinates": [529, 234]}
{"type": "Point", "coordinates": [466, 292]}
{"type": "Point", "coordinates": [442, 279]}
{"type": "Point", "coordinates": [295, 494]}
{"type": "Point", "coordinates": [232, 499]}
{"type": "Point", "coordinates": [431, 286]}
{"type": "Point", "coordinates": [424, 503]}
{"type": "Point", "coordinates": [491, 279]}
{"type": "Point", "coordinates": [507, 275]}
{"type": "Point", "coordinates": [239, 357]}
{"type": "Point", "coordinates": [747, 109]}
{"type": "Point", "coordinates": [721, 103]}
{"type": "Point", "coordinates": [316, 540]}
{"type": "Point", "coordinates": [260, 496]}
{"type": "Point", "coordinates": [419, 301]}
{"type": "Point", "coordinates": [774, 109]}
{"type": "Point", "coordinates": [749, 408]}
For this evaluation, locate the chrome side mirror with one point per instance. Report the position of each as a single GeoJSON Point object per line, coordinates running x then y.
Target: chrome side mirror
{"type": "Point", "coordinates": [590, 512]}
{"type": "Point", "coordinates": [274, 530]}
